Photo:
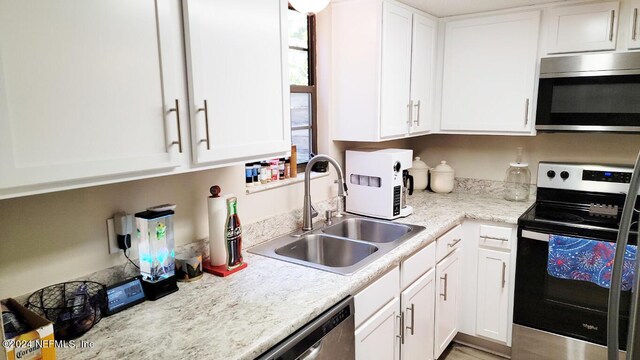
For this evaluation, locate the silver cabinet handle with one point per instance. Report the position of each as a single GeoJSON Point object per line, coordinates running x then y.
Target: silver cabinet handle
{"type": "Point", "coordinates": [454, 242]}
{"type": "Point", "coordinates": [504, 271]}
{"type": "Point", "coordinates": [410, 107]}
{"type": "Point", "coordinates": [526, 112]}
{"type": "Point", "coordinates": [634, 31]}
{"type": "Point", "coordinates": [179, 141]}
{"type": "Point", "coordinates": [206, 124]}
{"type": "Point", "coordinates": [417, 120]}
{"type": "Point", "coordinates": [613, 16]}
{"type": "Point", "coordinates": [413, 311]}
{"type": "Point", "coordinates": [494, 238]}
{"type": "Point", "coordinates": [445, 287]}
{"type": "Point", "coordinates": [401, 336]}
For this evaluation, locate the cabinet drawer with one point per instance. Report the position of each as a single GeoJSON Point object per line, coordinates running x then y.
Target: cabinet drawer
{"type": "Point", "coordinates": [448, 242]}
{"type": "Point", "coordinates": [498, 237]}
{"type": "Point", "coordinates": [375, 296]}
{"type": "Point", "coordinates": [417, 265]}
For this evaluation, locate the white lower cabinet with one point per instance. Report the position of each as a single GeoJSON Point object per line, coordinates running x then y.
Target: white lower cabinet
{"type": "Point", "coordinates": [418, 305]}
{"type": "Point", "coordinates": [446, 302]}
{"type": "Point", "coordinates": [487, 288]}
{"type": "Point", "coordinates": [377, 338]}
{"type": "Point", "coordinates": [394, 325]}
{"type": "Point", "coordinates": [493, 294]}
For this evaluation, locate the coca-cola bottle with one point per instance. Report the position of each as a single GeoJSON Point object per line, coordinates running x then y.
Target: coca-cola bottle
{"type": "Point", "coordinates": [233, 235]}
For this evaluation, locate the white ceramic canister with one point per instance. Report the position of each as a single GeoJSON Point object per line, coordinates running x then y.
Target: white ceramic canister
{"type": "Point", "coordinates": [420, 172]}
{"type": "Point", "coordinates": [442, 178]}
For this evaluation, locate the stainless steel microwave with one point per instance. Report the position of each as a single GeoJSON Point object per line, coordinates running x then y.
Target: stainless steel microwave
{"type": "Point", "coordinates": [589, 93]}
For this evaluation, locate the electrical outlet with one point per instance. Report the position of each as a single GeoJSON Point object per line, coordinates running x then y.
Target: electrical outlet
{"type": "Point", "coordinates": [112, 238]}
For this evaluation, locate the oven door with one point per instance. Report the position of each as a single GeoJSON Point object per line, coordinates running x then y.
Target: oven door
{"type": "Point", "coordinates": [609, 103]}
{"type": "Point", "coordinates": [573, 308]}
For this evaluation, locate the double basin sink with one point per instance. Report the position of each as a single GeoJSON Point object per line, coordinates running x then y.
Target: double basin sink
{"type": "Point", "coordinates": [344, 247]}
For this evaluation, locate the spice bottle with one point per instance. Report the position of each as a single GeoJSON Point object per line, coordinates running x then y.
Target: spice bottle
{"type": "Point", "coordinates": [265, 172]}
{"type": "Point", "coordinates": [248, 174]}
{"type": "Point", "coordinates": [281, 168]}
{"type": "Point", "coordinates": [275, 169]}
{"type": "Point", "coordinates": [256, 172]}
{"type": "Point", "coordinates": [287, 168]}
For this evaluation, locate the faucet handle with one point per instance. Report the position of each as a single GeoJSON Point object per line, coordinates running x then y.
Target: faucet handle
{"type": "Point", "coordinates": [314, 212]}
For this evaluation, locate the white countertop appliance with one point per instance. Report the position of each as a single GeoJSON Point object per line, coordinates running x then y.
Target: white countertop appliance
{"type": "Point", "coordinates": [376, 184]}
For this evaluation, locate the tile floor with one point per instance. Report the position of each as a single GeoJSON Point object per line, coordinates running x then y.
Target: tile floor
{"type": "Point", "coordinates": [460, 352]}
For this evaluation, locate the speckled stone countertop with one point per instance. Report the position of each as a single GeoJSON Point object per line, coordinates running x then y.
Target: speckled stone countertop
{"type": "Point", "coordinates": [243, 315]}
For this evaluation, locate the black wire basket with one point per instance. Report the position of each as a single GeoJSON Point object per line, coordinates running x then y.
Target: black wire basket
{"type": "Point", "coordinates": [73, 307]}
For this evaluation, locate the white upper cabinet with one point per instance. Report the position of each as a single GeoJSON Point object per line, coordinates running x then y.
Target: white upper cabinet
{"type": "Point", "coordinates": [238, 79]}
{"type": "Point", "coordinates": [489, 74]}
{"type": "Point", "coordinates": [633, 41]}
{"type": "Point", "coordinates": [86, 90]}
{"type": "Point", "coordinates": [423, 73]}
{"type": "Point", "coordinates": [382, 70]}
{"type": "Point", "coordinates": [589, 27]}
{"type": "Point", "coordinates": [396, 71]}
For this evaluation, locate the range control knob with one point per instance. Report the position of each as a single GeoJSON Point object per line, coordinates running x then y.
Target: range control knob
{"type": "Point", "coordinates": [564, 175]}
{"type": "Point", "coordinates": [551, 174]}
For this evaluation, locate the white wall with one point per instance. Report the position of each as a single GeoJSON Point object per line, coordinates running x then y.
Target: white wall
{"type": "Point", "coordinates": [487, 157]}
{"type": "Point", "coordinates": [55, 237]}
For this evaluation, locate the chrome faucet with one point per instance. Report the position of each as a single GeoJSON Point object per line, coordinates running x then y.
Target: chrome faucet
{"type": "Point", "coordinates": [308, 212]}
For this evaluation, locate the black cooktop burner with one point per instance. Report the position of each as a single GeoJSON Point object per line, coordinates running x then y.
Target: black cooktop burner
{"type": "Point", "coordinates": [574, 219]}
{"type": "Point", "coordinates": [560, 216]}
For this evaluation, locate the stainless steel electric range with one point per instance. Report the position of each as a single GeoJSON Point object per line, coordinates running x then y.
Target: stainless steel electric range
{"type": "Point", "coordinates": [560, 311]}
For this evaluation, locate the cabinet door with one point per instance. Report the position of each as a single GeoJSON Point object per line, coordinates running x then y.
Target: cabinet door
{"type": "Point", "coordinates": [418, 304]}
{"type": "Point", "coordinates": [588, 27]}
{"type": "Point", "coordinates": [422, 72]}
{"type": "Point", "coordinates": [634, 26]}
{"type": "Point", "coordinates": [489, 73]}
{"type": "Point", "coordinates": [493, 294]}
{"type": "Point", "coordinates": [86, 89]}
{"type": "Point", "coordinates": [396, 71]}
{"type": "Point", "coordinates": [378, 337]}
{"type": "Point", "coordinates": [447, 288]}
{"type": "Point", "coordinates": [238, 78]}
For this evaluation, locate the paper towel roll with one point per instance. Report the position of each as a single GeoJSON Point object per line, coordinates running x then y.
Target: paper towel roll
{"type": "Point", "coordinates": [217, 217]}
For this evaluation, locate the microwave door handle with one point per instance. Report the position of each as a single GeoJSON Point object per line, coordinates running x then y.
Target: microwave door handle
{"type": "Point", "coordinates": [613, 17]}
{"type": "Point", "coordinates": [616, 276]}
{"type": "Point", "coordinates": [634, 31]}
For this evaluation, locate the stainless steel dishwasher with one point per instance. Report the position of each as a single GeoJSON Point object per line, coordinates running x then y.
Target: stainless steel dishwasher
{"type": "Point", "coordinates": [330, 336]}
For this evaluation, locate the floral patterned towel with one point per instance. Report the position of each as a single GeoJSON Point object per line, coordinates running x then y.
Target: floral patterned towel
{"type": "Point", "coordinates": [588, 260]}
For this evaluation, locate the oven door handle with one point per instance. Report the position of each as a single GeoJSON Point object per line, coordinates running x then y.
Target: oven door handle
{"type": "Point", "coordinates": [535, 235]}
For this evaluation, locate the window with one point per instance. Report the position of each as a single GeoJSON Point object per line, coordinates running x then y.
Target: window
{"type": "Point", "coordinates": [302, 71]}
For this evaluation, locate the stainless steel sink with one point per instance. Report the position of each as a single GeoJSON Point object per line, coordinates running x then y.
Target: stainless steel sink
{"type": "Point", "coordinates": [327, 250]}
{"type": "Point", "coordinates": [368, 230]}
{"type": "Point", "coordinates": [346, 246]}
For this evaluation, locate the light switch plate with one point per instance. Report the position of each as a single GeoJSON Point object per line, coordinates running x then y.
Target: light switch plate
{"type": "Point", "coordinates": [112, 238]}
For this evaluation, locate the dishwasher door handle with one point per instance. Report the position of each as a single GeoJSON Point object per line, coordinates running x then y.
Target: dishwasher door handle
{"type": "Point", "coordinates": [313, 352]}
